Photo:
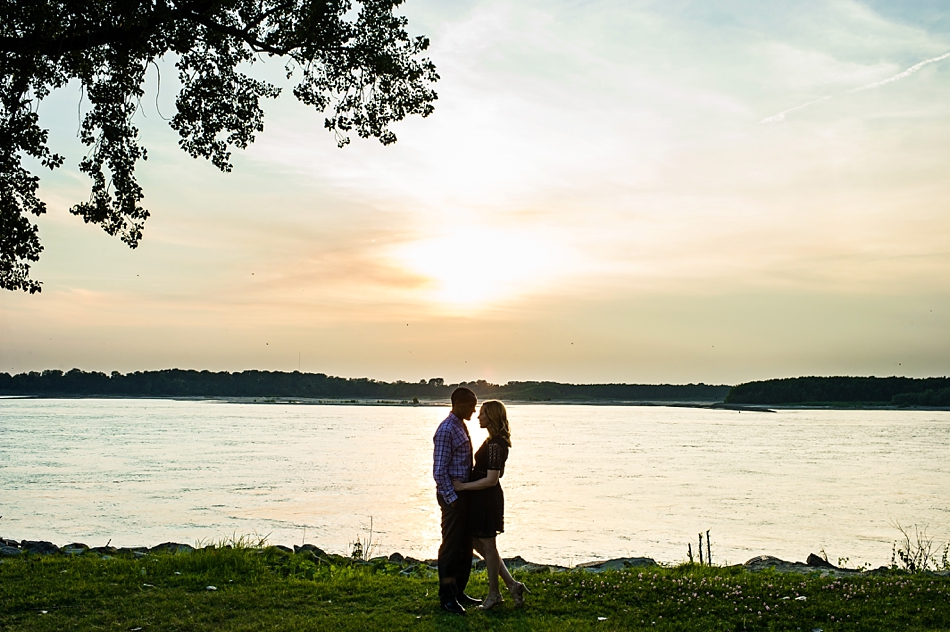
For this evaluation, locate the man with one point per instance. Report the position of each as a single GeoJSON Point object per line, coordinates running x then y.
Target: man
{"type": "Point", "coordinates": [452, 459]}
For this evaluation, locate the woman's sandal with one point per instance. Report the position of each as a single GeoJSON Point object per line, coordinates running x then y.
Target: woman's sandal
{"type": "Point", "coordinates": [517, 593]}
{"type": "Point", "coordinates": [492, 600]}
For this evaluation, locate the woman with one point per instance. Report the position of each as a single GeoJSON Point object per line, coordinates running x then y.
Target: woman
{"type": "Point", "coordinates": [487, 502]}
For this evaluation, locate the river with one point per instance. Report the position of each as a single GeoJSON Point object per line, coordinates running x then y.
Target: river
{"type": "Point", "coordinates": [582, 482]}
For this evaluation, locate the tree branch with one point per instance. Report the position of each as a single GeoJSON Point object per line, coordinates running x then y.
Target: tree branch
{"type": "Point", "coordinates": [256, 45]}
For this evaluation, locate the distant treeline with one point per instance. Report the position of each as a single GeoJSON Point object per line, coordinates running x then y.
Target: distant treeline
{"type": "Point", "coordinates": [899, 391]}
{"type": "Point", "coordinates": [182, 383]}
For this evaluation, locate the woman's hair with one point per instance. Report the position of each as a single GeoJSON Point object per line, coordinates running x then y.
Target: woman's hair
{"type": "Point", "coordinates": [497, 420]}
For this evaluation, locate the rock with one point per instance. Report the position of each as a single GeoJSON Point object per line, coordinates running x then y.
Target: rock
{"type": "Point", "coordinates": [285, 549]}
{"type": "Point", "coordinates": [540, 568]}
{"type": "Point", "coordinates": [6, 542]}
{"type": "Point", "coordinates": [519, 563]}
{"type": "Point", "coordinates": [764, 562]}
{"type": "Point", "coordinates": [379, 559]}
{"type": "Point", "coordinates": [9, 551]}
{"type": "Point", "coordinates": [617, 564]}
{"type": "Point", "coordinates": [137, 552]}
{"type": "Point", "coordinates": [820, 562]}
{"type": "Point", "coordinates": [103, 550]}
{"type": "Point", "coordinates": [880, 570]}
{"type": "Point", "coordinates": [134, 550]}
{"type": "Point", "coordinates": [76, 548]}
{"type": "Point", "coordinates": [516, 562]}
{"type": "Point", "coordinates": [171, 547]}
{"type": "Point", "coordinates": [39, 547]}
{"type": "Point", "coordinates": [396, 558]}
{"type": "Point", "coordinates": [309, 555]}
{"type": "Point", "coordinates": [309, 548]}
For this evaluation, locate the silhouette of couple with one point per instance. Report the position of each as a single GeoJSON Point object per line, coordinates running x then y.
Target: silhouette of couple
{"type": "Point", "coordinates": [472, 502]}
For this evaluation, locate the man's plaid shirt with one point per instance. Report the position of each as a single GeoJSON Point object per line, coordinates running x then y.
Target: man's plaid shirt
{"type": "Point", "coordinates": [452, 457]}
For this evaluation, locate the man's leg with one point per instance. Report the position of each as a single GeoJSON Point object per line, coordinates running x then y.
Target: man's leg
{"type": "Point", "coordinates": [456, 543]}
{"type": "Point", "coordinates": [464, 549]}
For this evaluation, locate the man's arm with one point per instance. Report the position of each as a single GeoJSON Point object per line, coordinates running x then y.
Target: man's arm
{"type": "Point", "coordinates": [440, 464]}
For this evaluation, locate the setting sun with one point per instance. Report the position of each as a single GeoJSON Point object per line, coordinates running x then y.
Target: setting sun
{"type": "Point", "coordinates": [472, 267]}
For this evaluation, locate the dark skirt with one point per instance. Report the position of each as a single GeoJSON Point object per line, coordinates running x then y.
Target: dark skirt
{"type": "Point", "coordinates": [486, 512]}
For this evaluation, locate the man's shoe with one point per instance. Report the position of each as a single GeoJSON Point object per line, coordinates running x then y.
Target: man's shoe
{"type": "Point", "coordinates": [453, 606]}
{"type": "Point", "coordinates": [465, 600]}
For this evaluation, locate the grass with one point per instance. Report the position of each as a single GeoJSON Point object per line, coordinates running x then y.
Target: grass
{"type": "Point", "coordinates": [268, 589]}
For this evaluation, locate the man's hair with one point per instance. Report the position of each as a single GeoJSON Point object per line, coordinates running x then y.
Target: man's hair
{"type": "Point", "coordinates": [463, 395]}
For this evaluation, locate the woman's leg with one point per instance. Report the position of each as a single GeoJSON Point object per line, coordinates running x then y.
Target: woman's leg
{"type": "Point", "coordinates": [505, 575]}
{"type": "Point", "coordinates": [492, 562]}
{"type": "Point", "coordinates": [477, 545]}
{"type": "Point", "coordinates": [516, 588]}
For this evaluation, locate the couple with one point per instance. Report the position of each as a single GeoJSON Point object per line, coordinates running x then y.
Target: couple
{"type": "Point", "coordinates": [472, 503]}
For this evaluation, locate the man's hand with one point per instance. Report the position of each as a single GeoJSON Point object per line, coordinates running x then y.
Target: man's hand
{"type": "Point", "coordinates": [458, 485]}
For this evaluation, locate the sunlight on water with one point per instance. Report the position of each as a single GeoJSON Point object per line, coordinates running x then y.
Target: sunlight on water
{"type": "Point", "coordinates": [582, 482]}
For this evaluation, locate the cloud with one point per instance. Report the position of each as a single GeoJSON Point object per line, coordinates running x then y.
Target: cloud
{"type": "Point", "coordinates": [901, 75]}
{"type": "Point", "coordinates": [781, 115]}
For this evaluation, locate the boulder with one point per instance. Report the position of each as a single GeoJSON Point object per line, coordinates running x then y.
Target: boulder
{"type": "Point", "coordinates": [617, 564]}
{"type": "Point", "coordinates": [135, 551]}
{"type": "Point", "coordinates": [517, 562]}
{"type": "Point", "coordinates": [75, 548]}
{"type": "Point", "coordinates": [104, 550]}
{"type": "Point", "coordinates": [396, 558]}
{"type": "Point", "coordinates": [310, 555]}
{"type": "Point", "coordinates": [285, 549]}
{"type": "Point", "coordinates": [6, 542]}
{"type": "Point", "coordinates": [819, 562]}
{"type": "Point", "coordinates": [39, 547]}
{"type": "Point", "coordinates": [880, 570]}
{"type": "Point", "coordinates": [9, 551]}
{"type": "Point", "coordinates": [171, 547]}
{"type": "Point", "coordinates": [310, 548]}
{"type": "Point", "coordinates": [764, 562]}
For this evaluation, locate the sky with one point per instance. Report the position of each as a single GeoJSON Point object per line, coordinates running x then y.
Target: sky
{"type": "Point", "coordinates": [650, 192]}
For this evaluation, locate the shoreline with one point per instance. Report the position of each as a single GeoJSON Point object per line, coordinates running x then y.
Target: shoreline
{"type": "Point", "coordinates": [814, 564]}
{"type": "Point", "coordinates": [372, 402]}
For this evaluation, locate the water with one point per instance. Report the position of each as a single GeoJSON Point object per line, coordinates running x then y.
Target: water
{"type": "Point", "coordinates": [582, 482]}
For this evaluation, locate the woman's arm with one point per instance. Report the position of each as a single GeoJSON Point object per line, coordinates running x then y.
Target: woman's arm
{"type": "Point", "coordinates": [483, 483]}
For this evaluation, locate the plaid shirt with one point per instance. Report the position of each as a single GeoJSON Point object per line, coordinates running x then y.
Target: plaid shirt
{"type": "Point", "coordinates": [452, 457]}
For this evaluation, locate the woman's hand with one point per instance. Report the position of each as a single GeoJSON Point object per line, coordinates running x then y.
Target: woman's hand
{"type": "Point", "coordinates": [458, 485]}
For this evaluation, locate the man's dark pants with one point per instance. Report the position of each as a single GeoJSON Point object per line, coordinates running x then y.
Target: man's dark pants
{"type": "Point", "coordinates": [455, 554]}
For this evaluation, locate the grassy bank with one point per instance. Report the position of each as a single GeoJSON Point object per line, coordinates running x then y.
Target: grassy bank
{"type": "Point", "coordinates": [268, 589]}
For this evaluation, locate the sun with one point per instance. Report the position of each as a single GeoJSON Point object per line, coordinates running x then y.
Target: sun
{"type": "Point", "coordinates": [476, 266]}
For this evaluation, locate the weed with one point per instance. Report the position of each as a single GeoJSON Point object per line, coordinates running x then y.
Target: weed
{"type": "Point", "coordinates": [915, 553]}
{"type": "Point", "coordinates": [363, 548]}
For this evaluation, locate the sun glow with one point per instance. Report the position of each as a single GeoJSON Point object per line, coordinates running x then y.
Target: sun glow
{"type": "Point", "coordinates": [473, 267]}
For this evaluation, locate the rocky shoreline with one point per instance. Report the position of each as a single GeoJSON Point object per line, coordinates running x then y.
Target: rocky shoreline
{"type": "Point", "coordinates": [813, 564]}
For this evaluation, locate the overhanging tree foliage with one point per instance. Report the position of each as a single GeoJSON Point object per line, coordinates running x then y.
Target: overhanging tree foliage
{"type": "Point", "coordinates": [357, 64]}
